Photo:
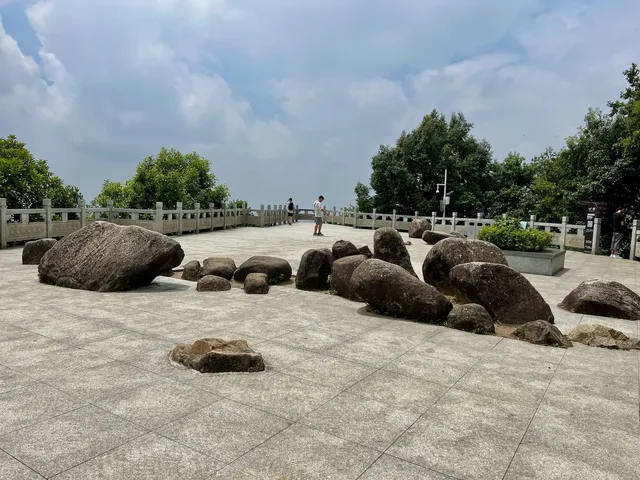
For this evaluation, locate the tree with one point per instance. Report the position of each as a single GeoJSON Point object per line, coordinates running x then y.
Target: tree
{"type": "Point", "coordinates": [511, 182]}
{"type": "Point", "coordinates": [25, 181]}
{"type": "Point", "coordinates": [119, 193]}
{"type": "Point", "coordinates": [364, 201]}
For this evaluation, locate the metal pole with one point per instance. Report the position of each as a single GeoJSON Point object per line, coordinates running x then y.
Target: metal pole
{"type": "Point", "coordinates": [444, 196]}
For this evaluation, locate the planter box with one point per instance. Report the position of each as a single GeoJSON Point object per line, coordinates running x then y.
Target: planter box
{"type": "Point", "coordinates": [548, 262]}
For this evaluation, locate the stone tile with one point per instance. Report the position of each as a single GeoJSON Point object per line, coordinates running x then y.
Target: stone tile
{"type": "Point", "coordinates": [74, 330]}
{"type": "Point", "coordinates": [231, 473]}
{"type": "Point", "coordinates": [303, 453]}
{"type": "Point", "coordinates": [278, 356]}
{"type": "Point", "coordinates": [27, 350]}
{"type": "Point", "coordinates": [157, 361]}
{"type": "Point", "coordinates": [67, 440]}
{"type": "Point", "coordinates": [150, 457]}
{"type": "Point", "coordinates": [432, 369]}
{"type": "Point", "coordinates": [284, 395]}
{"type": "Point", "coordinates": [358, 419]}
{"type": "Point", "coordinates": [367, 352]}
{"type": "Point", "coordinates": [225, 430]}
{"type": "Point", "coordinates": [64, 360]}
{"type": "Point", "coordinates": [314, 338]}
{"type": "Point", "coordinates": [12, 469]}
{"type": "Point", "coordinates": [392, 468]}
{"type": "Point", "coordinates": [516, 349]}
{"type": "Point", "coordinates": [329, 371]}
{"type": "Point", "coordinates": [121, 346]}
{"type": "Point", "coordinates": [32, 404]}
{"type": "Point", "coordinates": [10, 379]}
{"type": "Point", "coordinates": [399, 390]}
{"type": "Point", "coordinates": [157, 403]}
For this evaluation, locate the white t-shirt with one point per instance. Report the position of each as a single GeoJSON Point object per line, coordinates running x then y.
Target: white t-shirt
{"type": "Point", "coordinates": [317, 209]}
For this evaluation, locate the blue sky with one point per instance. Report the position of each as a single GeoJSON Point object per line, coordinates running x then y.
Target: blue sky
{"type": "Point", "coordinates": [293, 97]}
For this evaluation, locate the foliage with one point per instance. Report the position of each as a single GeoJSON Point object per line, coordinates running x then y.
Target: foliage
{"type": "Point", "coordinates": [240, 204]}
{"type": "Point", "coordinates": [508, 234]}
{"type": "Point", "coordinates": [364, 202]}
{"type": "Point", "coordinates": [116, 191]}
{"type": "Point", "coordinates": [25, 181]}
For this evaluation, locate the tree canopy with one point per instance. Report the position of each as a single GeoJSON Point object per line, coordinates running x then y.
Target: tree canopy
{"type": "Point", "coordinates": [25, 181]}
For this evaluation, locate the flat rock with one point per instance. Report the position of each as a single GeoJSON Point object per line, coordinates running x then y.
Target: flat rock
{"type": "Point", "coordinates": [33, 251]}
{"type": "Point", "coordinates": [343, 248]}
{"type": "Point", "coordinates": [390, 289]}
{"type": "Point", "coordinates": [219, 266]}
{"type": "Point", "coordinates": [455, 251]}
{"type": "Point", "coordinates": [506, 294]}
{"type": "Point", "coordinates": [596, 335]}
{"type": "Point", "coordinates": [314, 270]}
{"type": "Point", "coordinates": [276, 269]}
{"type": "Point", "coordinates": [471, 317]}
{"type": "Point", "coordinates": [256, 283]}
{"type": "Point", "coordinates": [388, 246]}
{"type": "Point", "coordinates": [541, 332]}
{"type": "Point", "coordinates": [212, 283]}
{"type": "Point", "coordinates": [341, 276]}
{"type": "Point", "coordinates": [418, 226]}
{"type": "Point", "coordinates": [365, 250]}
{"type": "Point", "coordinates": [213, 355]}
{"type": "Point", "coordinates": [603, 298]}
{"type": "Point", "coordinates": [106, 257]}
{"type": "Point", "coordinates": [432, 237]}
{"type": "Point", "coordinates": [192, 271]}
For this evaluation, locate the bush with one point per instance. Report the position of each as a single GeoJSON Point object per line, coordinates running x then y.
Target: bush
{"type": "Point", "coordinates": [508, 234]}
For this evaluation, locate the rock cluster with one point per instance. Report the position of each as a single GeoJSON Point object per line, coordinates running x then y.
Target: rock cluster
{"type": "Point", "coordinates": [213, 355]}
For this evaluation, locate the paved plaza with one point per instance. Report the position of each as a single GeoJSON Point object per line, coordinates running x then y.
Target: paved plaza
{"type": "Point", "coordinates": [87, 390]}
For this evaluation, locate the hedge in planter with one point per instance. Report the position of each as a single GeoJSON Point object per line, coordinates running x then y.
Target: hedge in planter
{"type": "Point", "coordinates": [508, 234]}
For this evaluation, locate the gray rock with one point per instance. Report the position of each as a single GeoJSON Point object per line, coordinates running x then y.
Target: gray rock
{"type": "Point", "coordinates": [213, 355]}
{"type": "Point", "coordinates": [277, 269]}
{"type": "Point", "coordinates": [33, 251]}
{"type": "Point", "coordinates": [219, 266]}
{"type": "Point", "coordinates": [314, 270]}
{"type": "Point", "coordinates": [472, 318]}
{"type": "Point", "coordinates": [106, 257]}
{"type": "Point", "coordinates": [506, 294]}
{"type": "Point", "coordinates": [388, 246]}
{"type": "Point", "coordinates": [541, 332]}
{"type": "Point", "coordinates": [603, 298]}
{"type": "Point", "coordinates": [390, 289]}
{"type": "Point", "coordinates": [365, 250]}
{"type": "Point", "coordinates": [192, 271]}
{"type": "Point", "coordinates": [343, 248]}
{"type": "Point", "coordinates": [596, 335]}
{"type": "Point", "coordinates": [341, 276]}
{"type": "Point", "coordinates": [431, 237]}
{"type": "Point", "coordinates": [256, 283]}
{"type": "Point", "coordinates": [212, 283]}
{"type": "Point", "coordinates": [418, 226]}
{"type": "Point", "coordinates": [455, 251]}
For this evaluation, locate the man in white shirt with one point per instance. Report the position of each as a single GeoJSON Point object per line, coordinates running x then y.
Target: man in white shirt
{"type": "Point", "coordinates": [318, 216]}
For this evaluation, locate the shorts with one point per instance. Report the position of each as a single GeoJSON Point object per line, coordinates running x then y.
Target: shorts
{"type": "Point", "coordinates": [290, 214]}
{"type": "Point", "coordinates": [616, 241]}
{"type": "Point", "coordinates": [318, 220]}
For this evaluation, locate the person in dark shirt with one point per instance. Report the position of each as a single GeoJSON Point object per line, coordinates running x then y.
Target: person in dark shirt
{"type": "Point", "coordinates": [618, 233]}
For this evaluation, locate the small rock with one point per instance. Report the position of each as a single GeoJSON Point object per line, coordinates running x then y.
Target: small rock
{"type": "Point", "coordinates": [601, 336]}
{"type": "Point", "coordinates": [219, 266]}
{"type": "Point", "coordinates": [341, 276]}
{"type": "Point", "coordinates": [33, 251]}
{"type": "Point", "coordinates": [275, 268]}
{"type": "Point", "coordinates": [472, 318]}
{"type": "Point", "coordinates": [603, 298]}
{"type": "Point", "coordinates": [542, 332]}
{"type": "Point", "coordinates": [388, 246]}
{"type": "Point", "coordinates": [365, 250]}
{"type": "Point", "coordinates": [431, 237]}
{"type": "Point", "coordinates": [314, 270]}
{"type": "Point", "coordinates": [192, 271]}
{"type": "Point", "coordinates": [213, 355]}
{"type": "Point", "coordinates": [343, 248]}
{"type": "Point", "coordinates": [256, 283]}
{"type": "Point", "coordinates": [418, 226]}
{"type": "Point", "coordinates": [212, 283]}
{"type": "Point", "coordinates": [408, 242]}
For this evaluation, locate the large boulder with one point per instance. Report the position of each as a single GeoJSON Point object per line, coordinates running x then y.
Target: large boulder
{"type": "Point", "coordinates": [314, 270]}
{"type": "Point", "coordinates": [542, 333]}
{"type": "Point", "coordinates": [341, 276]}
{"type": "Point", "coordinates": [455, 251]}
{"type": "Point", "coordinates": [211, 283]}
{"type": "Point", "coordinates": [418, 226]}
{"type": "Point", "coordinates": [219, 266]}
{"type": "Point", "coordinates": [432, 237]}
{"type": "Point", "coordinates": [106, 257]}
{"type": "Point", "coordinates": [277, 269]}
{"type": "Point", "coordinates": [256, 283]}
{"type": "Point", "coordinates": [604, 298]}
{"type": "Point", "coordinates": [212, 355]}
{"type": "Point", "coordinates": [365, 250]}
{"type": "Point", "coordinates": [388, 246]}
{"type": "Point", "coordinates": [389, 288]}
{"type": "Point", "coordinates": [506, 294]}
{"type": "Point", "coordinates": [343, 248]}
{"type": "Point", "coordinates": [33, 251]}
{"type": "Point", "coordinates": [192, 271]}
{"type": "Point", "coordinates": [471, 318]}
{"type": "Point", "coordinates": [601, 336]}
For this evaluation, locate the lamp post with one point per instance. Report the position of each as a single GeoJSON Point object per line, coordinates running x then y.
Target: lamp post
{"type": "Point", "coordinates": [444, 194]}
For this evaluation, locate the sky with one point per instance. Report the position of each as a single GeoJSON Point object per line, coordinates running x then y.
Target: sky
{"type": "Point", "coordinates": [292, 98]}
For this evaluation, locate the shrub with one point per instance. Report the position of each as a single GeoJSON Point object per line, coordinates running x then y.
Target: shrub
{"type": "Point", "coordinates": [508, 234]}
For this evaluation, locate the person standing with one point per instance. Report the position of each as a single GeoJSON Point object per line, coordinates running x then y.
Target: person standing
{"type": "Point", "coordinates": [318, 216]}
{"type": "Point", "coordinates": [290, 208]}
{"type": "Point", "coordinates": [618, 233]}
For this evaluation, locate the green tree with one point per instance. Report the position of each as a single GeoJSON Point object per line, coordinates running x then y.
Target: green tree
{"type": "Point", "coordinates": [119, 193]}
{"type": "Point", "coordinates": [25, 181]}
{"type": "Point", "coordinates": [511, 182]}
{"type": "Point", "coordinates": [364, 201]}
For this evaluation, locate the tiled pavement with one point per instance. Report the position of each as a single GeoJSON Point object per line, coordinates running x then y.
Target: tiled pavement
{"type": "Point", "coordinates": [87, 392]}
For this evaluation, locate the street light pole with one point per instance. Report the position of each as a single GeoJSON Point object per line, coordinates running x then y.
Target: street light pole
{"type": "Point", "coordinates": [444, 195]}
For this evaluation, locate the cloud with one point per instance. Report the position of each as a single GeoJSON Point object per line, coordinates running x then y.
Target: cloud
{"type": "Point", "coordinates": [293, 97]}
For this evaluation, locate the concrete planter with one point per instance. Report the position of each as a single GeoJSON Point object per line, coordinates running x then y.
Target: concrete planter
{"type": "Point", "coordinates": [548, 262]}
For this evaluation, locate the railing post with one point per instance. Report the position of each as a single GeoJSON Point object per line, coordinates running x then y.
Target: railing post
{"type": "Point", "coordinates": [355, 217]}
{"type": "Point", "coordinates": [83, 212]}
{"type": "Point", "coordinates": [224, 216]}
{"type": "Point", "coordinates": [179, 209]}
{"type": "Point", "coordinates": [454, 218]}
{"type": "Point", "coordinates": [4, 230]}
{"type": "Point", "coordinates": [433, 220]}
{"type": "Point", "coordinates": [110, 212]}
{"type": "Point", "coordinates": [393, 219]}
{"type": "Point", "coordinates": [235, 216]}
{"type": "Point", "coordinates": [46, 203]}
{"type": "Point", "coordinates": [634, 239]}
{"type": "Point", "coordinates": [261, 222]}
{"type": "Point", "coordinates": [504, 215]}
{"type": "Point", "coordinates": [532, 222]}
{"type": "Point", "coordinates": [373, 220]}
{"type": "Point", "coordinates": [158, 218]}
{"type": "Point", "coordinates": [212, 208]}
{"type": "Point", "coordinates": [477, 229]}
{"type": "Point", "coordinates": [197, 207]}
{"type": "Point", "coordinates": [597, 227]}
{"type": "Point", "coordinates": [415, 215]}
{"type": "Point", "coordinates": [563, 233]}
